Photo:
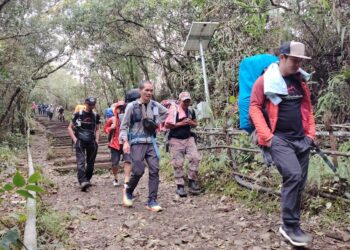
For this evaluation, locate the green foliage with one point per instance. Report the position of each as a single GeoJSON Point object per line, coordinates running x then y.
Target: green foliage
{"type": "Point", "coordinates": [24, 193]}
{"type": "Point", "coordinates": [51, 224]}
{"type": "Point", "coordinates": [18, 180]}
{"type": "Point", "coordinates": [321, 176]}
{"type": "Point", "coordinates": [34, 177]}
{"type": "Point", "coordinates": [8, 187]}
{"type": "Point", "coordinates": [13, 140]}
{"type": "Point", "coordinates": [334, 99]}
{"type": "Point", "coordinates": [244, 160]}
{"type": "Point", "coordinates": [7, 157]}
{"type": "Point", "coordinates": [21, 186]}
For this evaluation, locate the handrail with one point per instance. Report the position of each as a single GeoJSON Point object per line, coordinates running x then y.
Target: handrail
{"type": "Point", "coordinates": [30, 234]}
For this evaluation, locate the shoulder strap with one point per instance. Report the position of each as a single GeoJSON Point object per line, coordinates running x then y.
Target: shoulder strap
{"type": "Point", "coordinates": [135, 108]}
{"type": "Point", "coordinates": [190, 112]}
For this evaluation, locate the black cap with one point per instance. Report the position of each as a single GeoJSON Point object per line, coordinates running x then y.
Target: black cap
{"type": "Point", "coordinates": [90, 100]}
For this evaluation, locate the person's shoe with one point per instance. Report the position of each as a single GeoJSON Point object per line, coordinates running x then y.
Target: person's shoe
{"type": "Point", "coordinates": [295, 236]}
{"type": "Point", "coordinates": [128, 199]}
{"type": "Point", "coordinates": [116, 183]}
{"type": "Point", "coordinates": [180, 190]}
{"type": "Point", "coordinates": [85, 185]}
{"type": "Point", "coordinates": [194, 187]}
{"type": "Point", "coordinates": [153, 206]}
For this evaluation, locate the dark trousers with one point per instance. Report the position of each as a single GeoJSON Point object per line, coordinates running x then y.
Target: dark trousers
{"type": "Point", "coordinates": [86, 155]}
{"type": "Point", "coordinates": [292, 161]}
{"type": "Point", "coordinates": [139, 153]}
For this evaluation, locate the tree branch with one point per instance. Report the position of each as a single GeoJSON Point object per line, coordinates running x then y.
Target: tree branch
{"type": "Point", "coordinates": [280, 6]}
{"type": "Point", "coordinates": [35, 78]}
{"type": "Point", "coordinates": [129, 21]}
{"type": "Point", "coordinates": [17, 35]}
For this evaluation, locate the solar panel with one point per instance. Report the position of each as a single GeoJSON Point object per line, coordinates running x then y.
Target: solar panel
{"type": "Point", "coordinates": [200, 31]}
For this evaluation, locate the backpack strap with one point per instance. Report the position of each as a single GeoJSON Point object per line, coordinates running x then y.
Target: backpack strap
{"type": "Point", "coordinates": [136, 114]}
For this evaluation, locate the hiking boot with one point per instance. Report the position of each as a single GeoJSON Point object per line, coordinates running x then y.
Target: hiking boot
{"type": "Point", "coordinates": [180, 190]}
{"type": "Point", "coordinates": [128, 199]}
{"type": "Point", "coordinates": [85, 185]}
{"type": "Point", "coordinates": [194, 187]}
{"type": "Point", "coordinates": [116, 183]}
{"type": "Point", "coordinates": [153, 206]}
{"type": "Point", "coordinates": [295, 236]}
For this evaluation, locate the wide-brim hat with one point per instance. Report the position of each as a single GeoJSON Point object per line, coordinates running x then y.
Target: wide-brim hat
{"type": "Point", "coordinates": [293, 48]}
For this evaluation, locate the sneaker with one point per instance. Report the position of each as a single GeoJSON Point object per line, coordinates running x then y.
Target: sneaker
{"type": "Point", "coordinates": [116, 183]}
{"type": "Point", "coordinates": [194, 187]}
{"type": "Point", "coordinates": [180, 190]}
{"type": "Point", "coordinates": [85, 185]}
{"type": "Point", "coordinates": [128, 199]}
{"type": "Point", "coordinates": [153, 206]}
{"type": "Point", "coordinates": [295, 236]}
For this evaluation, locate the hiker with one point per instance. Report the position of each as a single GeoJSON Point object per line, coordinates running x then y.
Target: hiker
{"type": "Point", "coordinates": [86, 124]}
{"type": "Point", "coordinates": [112, 128]}
{"type": "Point", "coordinates": [34, 107]}
{"type": "Point", "coordinates": [288, 131]}
{"type": "Point", "coordinates": [180, 120]}
{"type": "Point", "coordinates": [137, 133]}
{"type": "Point", "coordinates": [39, 109]}
{"type": "Point", "coordinates": [50, 110]}
{"type": "Point", "coordinates": [61, 113]}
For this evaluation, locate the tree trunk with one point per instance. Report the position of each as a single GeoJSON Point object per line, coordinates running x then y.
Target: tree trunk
{"type": "Point", "coordinates": [8, 108]}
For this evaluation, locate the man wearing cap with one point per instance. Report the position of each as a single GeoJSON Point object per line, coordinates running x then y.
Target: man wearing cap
{"type": "Point", "coordinates": [84, 131]}
{"type": "Point", "coordinates": [287, 131]}
{"type": "Point", "coordinates": [180, 120]}
{"type": "Point", "coordinates": [137, 133]}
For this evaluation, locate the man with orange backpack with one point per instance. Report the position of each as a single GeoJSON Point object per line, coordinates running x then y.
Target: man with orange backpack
{"type": "Point", "coordinates": [112, 128]}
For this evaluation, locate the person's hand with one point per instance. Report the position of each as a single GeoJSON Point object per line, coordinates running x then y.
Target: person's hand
{"type": "Point", "coordinates": [75, 140]}
{"type": "Point", "coordinates": [113, 126]}
{"type": "Point", "coordinates": [126, 147]}
{"type": "Point", "coordinates": [269, 143]}
{"type": "Point", "coordinates": [96, 141]}
{"type": "Point", "coordinates": [181, 123]}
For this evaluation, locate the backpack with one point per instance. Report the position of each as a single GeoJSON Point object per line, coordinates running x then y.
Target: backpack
{"type": "Point", "coordinates": [132, 95]}
{"type": "Point", "coordinates": [250, 69]}
{"type": "Point", "coordinates": [149, 124]}
{"type": "Point", "coordinates": [109, 113]}
{"type": "Point", "coordinates": [85, 135]}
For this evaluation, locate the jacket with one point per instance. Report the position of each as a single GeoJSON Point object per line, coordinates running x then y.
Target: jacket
{"type": "Point", "coordinates": [134, 132]}
{"type": "Point", "coordinates": [114, 143]}
{"type": "Point", "coordinates": [258, 101]}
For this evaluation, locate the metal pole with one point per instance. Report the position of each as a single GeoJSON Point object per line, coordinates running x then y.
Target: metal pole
{"type": "Point", "coordinates": [206, 88]}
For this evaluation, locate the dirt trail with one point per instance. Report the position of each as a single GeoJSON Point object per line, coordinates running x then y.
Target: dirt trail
{"type": "Point", "coordinates": [99, 221]}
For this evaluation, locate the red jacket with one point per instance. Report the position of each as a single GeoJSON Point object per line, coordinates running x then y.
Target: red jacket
{"type": "Point", "coordinates": [258, 100]}
{"type": "Point", "coordinates": [114, 143]}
